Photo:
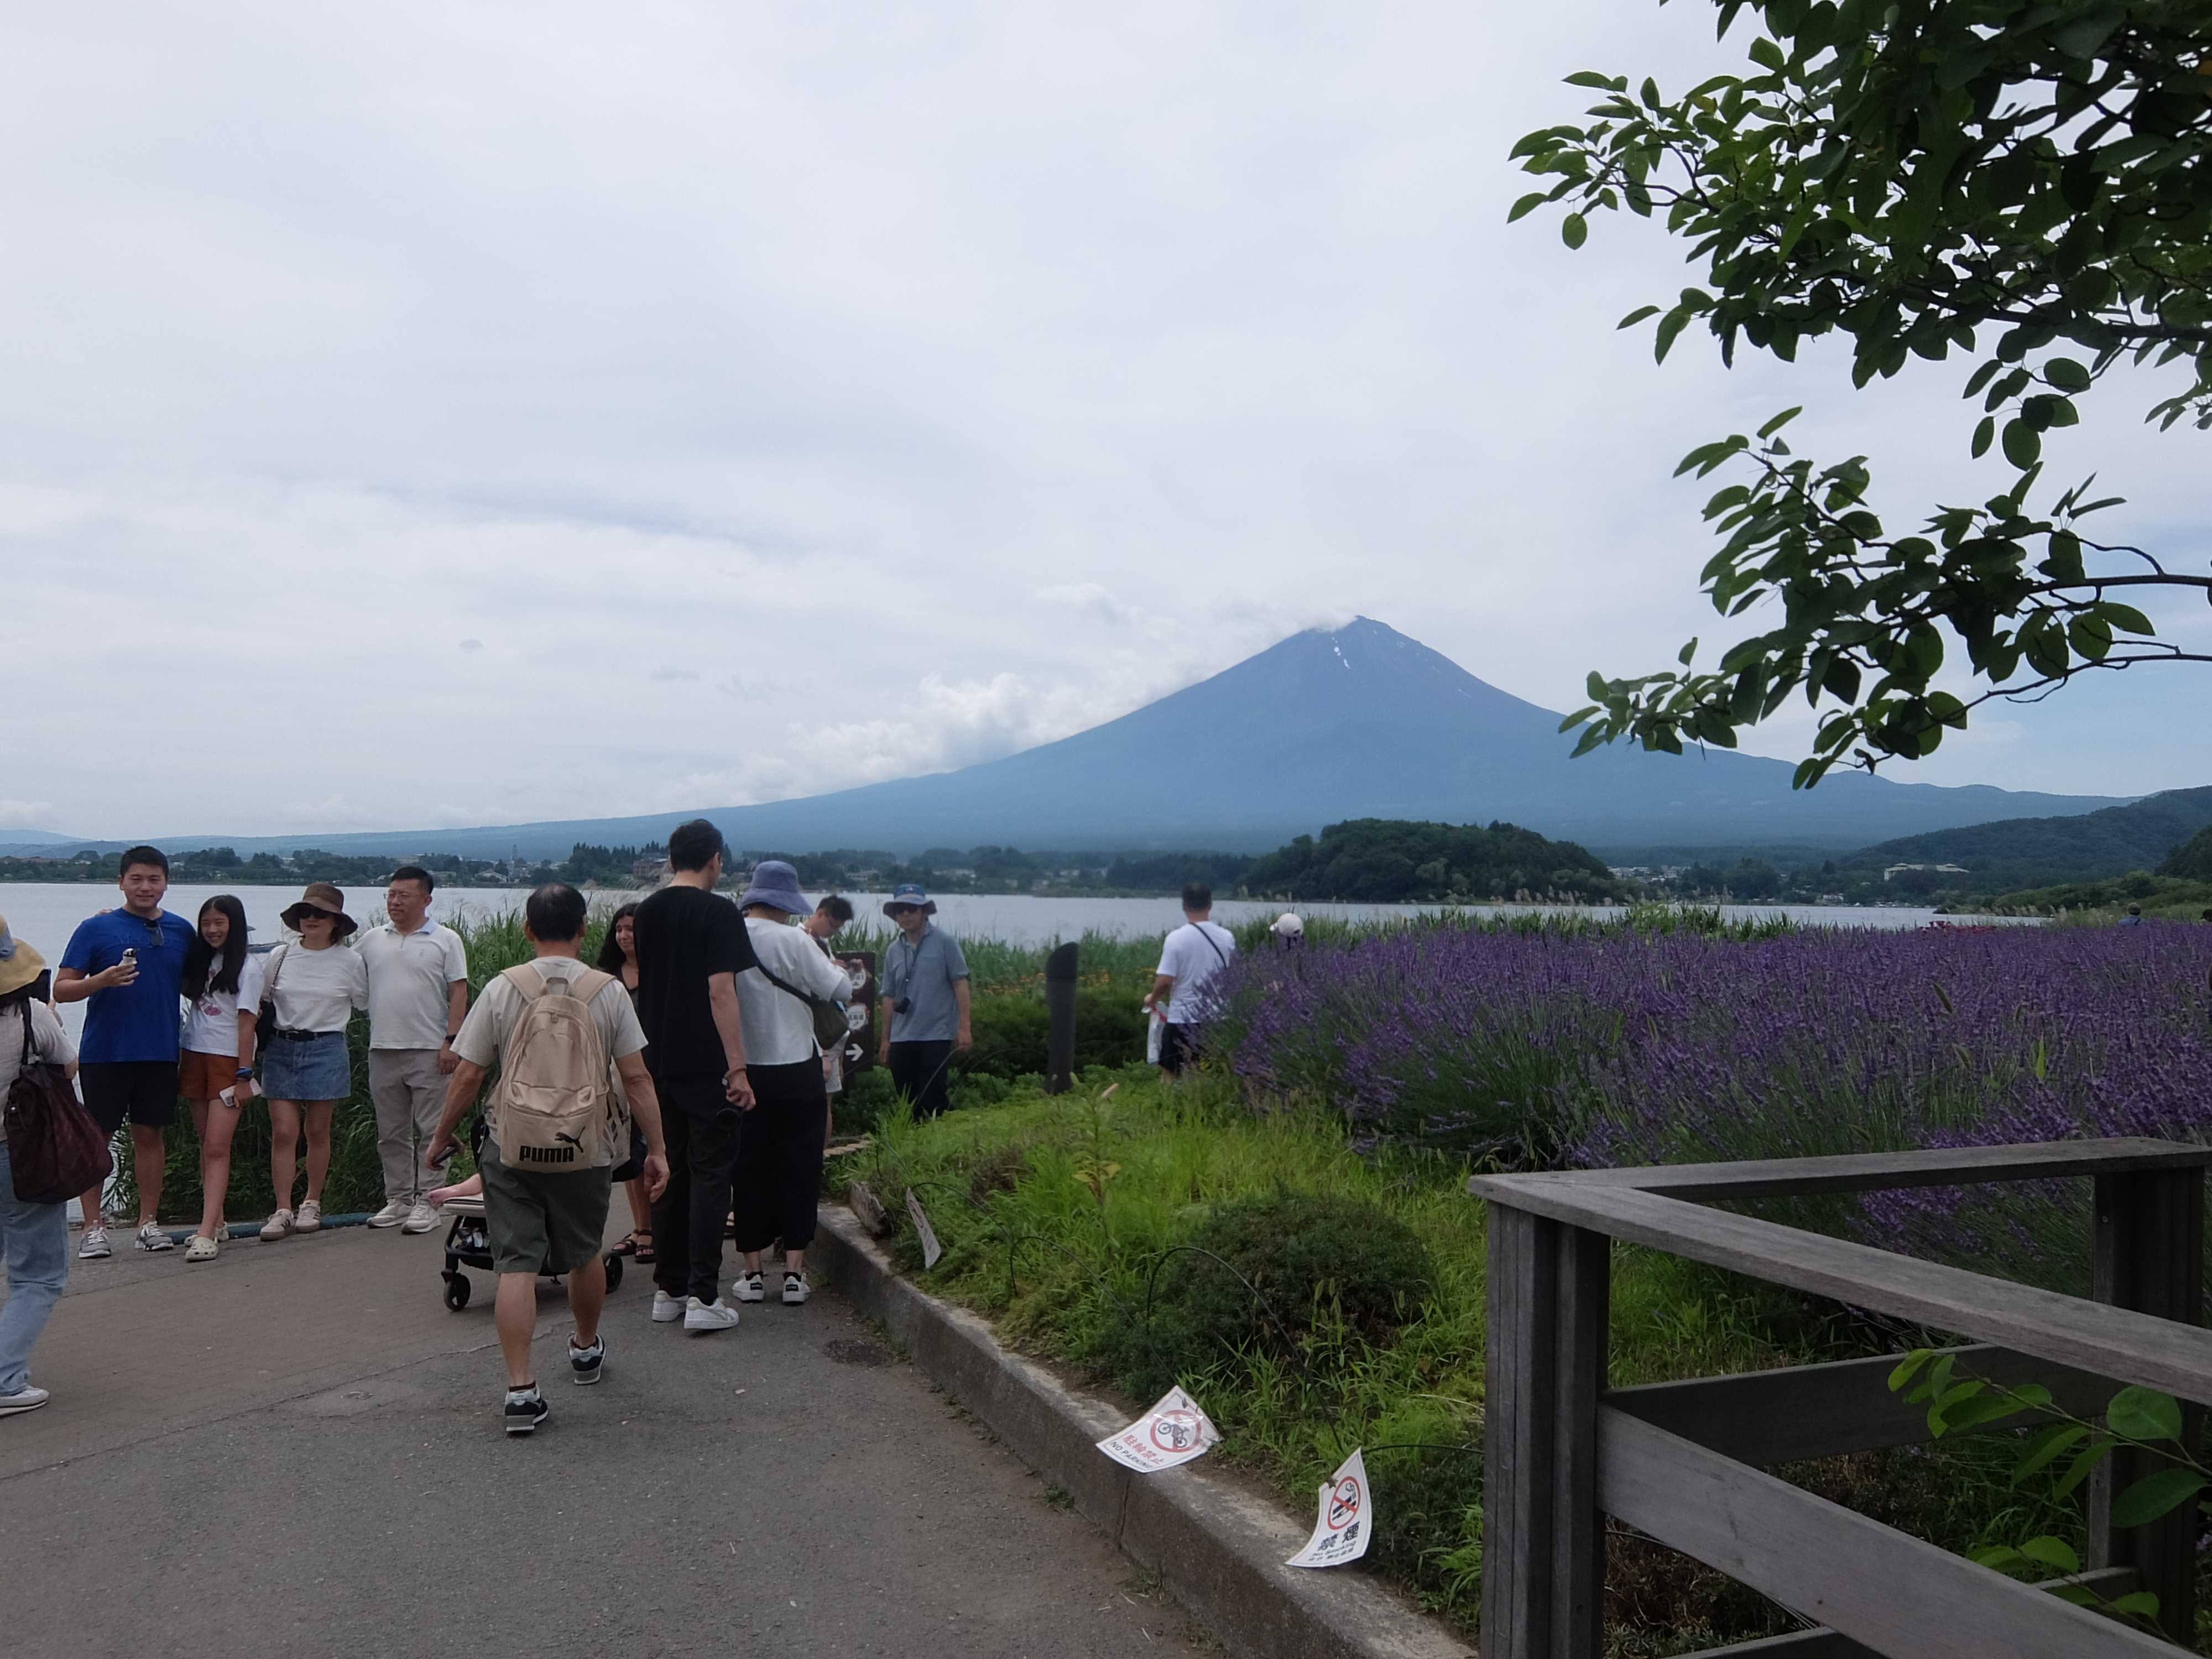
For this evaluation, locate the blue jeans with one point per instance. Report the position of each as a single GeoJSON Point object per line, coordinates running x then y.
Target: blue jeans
{"type": "Point", "coordinates": [36, 1239]}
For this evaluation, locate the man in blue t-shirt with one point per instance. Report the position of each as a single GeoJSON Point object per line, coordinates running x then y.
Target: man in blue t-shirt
{"type": "Point", "coordinates": [127, 967]}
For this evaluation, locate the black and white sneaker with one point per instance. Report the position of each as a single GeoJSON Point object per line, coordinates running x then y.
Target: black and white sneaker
{"type": "Point", "coordinates": [526, 1410]}
{"type": "Point", "coordinates": [587, 1364]}
{"type": "Point", "coordinates": [747, 1287]}
{"type": "Point", "coordinates": [796, 1290]}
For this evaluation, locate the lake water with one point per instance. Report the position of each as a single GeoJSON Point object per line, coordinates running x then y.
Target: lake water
{"type": "Point", "coordinates": [45, 913]}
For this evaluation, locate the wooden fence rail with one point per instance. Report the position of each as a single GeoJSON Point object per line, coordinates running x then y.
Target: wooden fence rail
{"type": "Point", "coordinates": [1682, 1462]}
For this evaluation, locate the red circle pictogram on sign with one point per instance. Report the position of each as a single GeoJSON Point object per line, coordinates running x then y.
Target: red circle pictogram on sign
{"type": "Point", "coordinates": [1343, 1503]}
{"type": "Point", "coordinates": [1176, 1431]}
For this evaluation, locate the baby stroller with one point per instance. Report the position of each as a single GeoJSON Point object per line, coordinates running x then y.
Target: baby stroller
{"type": "Point", "coordinates": [468, 1244]}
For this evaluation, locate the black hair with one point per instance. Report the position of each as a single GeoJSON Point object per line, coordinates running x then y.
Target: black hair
{"type": "Point", "coordinates": [137, 855]}
{"type": "Point", "coordinates": [1197, 896]}
{"type": "Point", "coordinates": [413, 872]}
{"type": "Point", "coordinates": [200, 957]}
{"type": "Point", "coordinates": [838, 906]}
{"type": "Point", "coordinates": [610, 954]}
{"type": "Point", "coordinates": [555, 913]}
{"type": "Point", "coordinates": [692, 846]}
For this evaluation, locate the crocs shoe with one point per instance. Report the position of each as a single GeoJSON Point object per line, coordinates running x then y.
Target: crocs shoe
{"type": "Point", "coordinates": [200, 1247]}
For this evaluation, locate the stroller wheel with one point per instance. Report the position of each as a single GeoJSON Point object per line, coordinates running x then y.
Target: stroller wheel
{"type": "Point", "coordinates": [457, 1290]}
{"type": "Point", "coordinates": [614, 1270]}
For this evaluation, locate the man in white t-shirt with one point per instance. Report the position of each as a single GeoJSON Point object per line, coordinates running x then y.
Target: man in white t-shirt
{"type": "Point", "coordinates": [1191, 955]}
{"type": "Point", "coordinates": [418, 995]}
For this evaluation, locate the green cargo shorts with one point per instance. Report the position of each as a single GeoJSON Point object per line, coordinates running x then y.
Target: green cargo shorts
{"type": "Point", "coordinates": [544, 1223]}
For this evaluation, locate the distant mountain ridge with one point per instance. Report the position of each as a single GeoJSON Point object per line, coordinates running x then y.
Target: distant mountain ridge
{"type": "Point", "coordinates": [2018, 853]}
{"type": "Point", "coordinates": [1325, 726]}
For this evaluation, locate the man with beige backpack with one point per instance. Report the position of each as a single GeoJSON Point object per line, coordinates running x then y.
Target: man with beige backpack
{"type": "Point", "coordinates": [559, 1031]}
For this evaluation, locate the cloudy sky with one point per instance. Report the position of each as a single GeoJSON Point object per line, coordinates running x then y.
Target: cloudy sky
{"type": "Point", "coordinates": [426, 415]}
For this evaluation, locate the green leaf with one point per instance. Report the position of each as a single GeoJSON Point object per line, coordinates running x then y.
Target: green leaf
{"type": "Point", "coordinates": [2078, 1471]}
{"type": "Point", "coordinates": [2023, 444]}
{"type": "Point", "coordinates": [2044, 1448]}
{"type": "Point", "coordinates": [2138, 1413]}
{"type": "Point", "coordinates": [2052, 1553]}
{"type": "Point", "coordinates": [1577, 717]}
{"type": "Point", "coordinates": [1528, 204]}
{"type": "Point", "coordinates": [2143, 1604]}
{"type": "Point", "coordinates": [2125, 617]}
{"type": "Point", "coordinates": [1574, 231]}
{"type": "Point", "coordinates": [1985, 433]}
{"type": "Point", "coordinates": [1638, 316]}
{"type": "Point", "coordinates": [1781, 421]}
{"type": "Point", "coordinates": [1669, 325]}
{"type": "Point", "coordinates": [1908, 1367]}
{"type": "Point", "coordinates": [2066, 374]}
{"type": "Point", "coordinates": [2000, 1558]}
{"type": "Point", "coordinates": [1768, 55]}
{"type": "Point", "coordinates": [1591, 79]}
{"type": "Point", "coordinates": [1687, 652]}
{"type": "Point", "coordinates": [2155, 1495]}
{"type": "Point", "coordinates": [2091, 636]}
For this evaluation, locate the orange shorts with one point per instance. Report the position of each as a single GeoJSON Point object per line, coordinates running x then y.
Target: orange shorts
{"type": "Point", "coordinates": [203, 1077]}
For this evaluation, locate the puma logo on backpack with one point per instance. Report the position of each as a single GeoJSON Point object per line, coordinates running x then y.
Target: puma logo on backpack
{"type": "Point", "coordinates": [554, 1105]}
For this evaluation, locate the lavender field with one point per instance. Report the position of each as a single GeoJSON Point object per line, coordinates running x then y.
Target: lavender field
{"type": "Point", "coordinates": [1556, 1049]}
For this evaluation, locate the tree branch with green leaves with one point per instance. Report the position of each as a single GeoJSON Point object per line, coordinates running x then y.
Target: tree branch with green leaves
{"type": "Point", "coordinates": [2025, 184]}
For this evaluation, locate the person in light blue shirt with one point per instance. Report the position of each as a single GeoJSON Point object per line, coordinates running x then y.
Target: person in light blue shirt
{"type": "Point", "coordinates": [127, 967]}
{"type": "Point", "coordinates": [924, 981]}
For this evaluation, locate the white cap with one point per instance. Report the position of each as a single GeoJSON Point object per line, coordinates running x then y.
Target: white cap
{"type": "Point", "coordinates": [1289, 926]}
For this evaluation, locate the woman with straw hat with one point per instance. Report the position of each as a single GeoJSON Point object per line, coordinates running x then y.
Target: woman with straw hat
{"type": "Point", "coordinates": [34, 1236]}
{"type": "Point", "coordinates": [313, 987]}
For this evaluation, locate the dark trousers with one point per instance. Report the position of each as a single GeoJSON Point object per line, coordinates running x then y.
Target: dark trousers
{"type": "Point", "coordinates": [701, 1127]}
{"type": "Point", "coordinates": [918, 1071]}
{"type": "Point", "coordinates": [780, 1157]}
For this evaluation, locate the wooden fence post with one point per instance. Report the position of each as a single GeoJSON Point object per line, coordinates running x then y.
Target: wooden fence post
{"type": "Point", "coordinates": [2150, 1256]}
{"type": "Point", "coordinates": [1543, 1561]}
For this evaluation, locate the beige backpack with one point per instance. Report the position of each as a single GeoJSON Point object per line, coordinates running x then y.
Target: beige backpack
{"type": "Point", "coordinates": [555, 1107]}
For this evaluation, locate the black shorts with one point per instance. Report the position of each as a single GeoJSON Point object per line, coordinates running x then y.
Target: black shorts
{"type": "Point", "coordinates": [142, 1091]}
{"type": "Point", "coordinates": [1176, 1050]}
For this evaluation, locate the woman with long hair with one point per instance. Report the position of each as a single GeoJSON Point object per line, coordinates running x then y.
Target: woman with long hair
{"type": "Point", "coordinates": [618, 956]}
{"type": "Point", "coordinates": [314, 986]}
{"type": "Point", "coordinates": [222, 987]}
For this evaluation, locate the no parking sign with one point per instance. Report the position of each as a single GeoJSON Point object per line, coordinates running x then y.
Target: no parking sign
{"type": "Point", "coordinates": [1347, 1521]}
{"type": "Point", "coordinates": [1174, 1431]}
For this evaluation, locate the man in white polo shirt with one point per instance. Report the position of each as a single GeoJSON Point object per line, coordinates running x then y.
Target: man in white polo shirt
{"type": "Point", "coordinates": [418, 995]}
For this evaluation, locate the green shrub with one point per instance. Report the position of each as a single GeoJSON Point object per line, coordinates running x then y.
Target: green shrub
{"type": "Point", "coordinates": [1331, 1275]}
{"type": "Point", "coordinates": [1012, 1029]}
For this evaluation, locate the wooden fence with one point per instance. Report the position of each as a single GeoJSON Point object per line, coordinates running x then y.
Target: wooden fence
{"type": "Point", "coordinates": [1684, 1463]}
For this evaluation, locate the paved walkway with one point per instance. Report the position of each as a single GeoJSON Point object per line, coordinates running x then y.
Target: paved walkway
{"type": "Point", "coordinates": [295, 1451]}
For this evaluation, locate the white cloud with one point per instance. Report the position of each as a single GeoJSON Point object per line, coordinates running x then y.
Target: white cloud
{"type": "Point", "coordinates": [27, 814]}
{"type": "Point", "coordinates": [935, 382]}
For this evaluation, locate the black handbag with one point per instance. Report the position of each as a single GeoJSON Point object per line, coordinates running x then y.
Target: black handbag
{"type": "Point", "coordinates": [55, 1151]}
{"type": "Point", "coordinates": [831, 1026]}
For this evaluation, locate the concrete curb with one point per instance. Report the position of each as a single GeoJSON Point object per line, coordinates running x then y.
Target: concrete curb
{"type": "Point", "coordinates": [1219, 1549]}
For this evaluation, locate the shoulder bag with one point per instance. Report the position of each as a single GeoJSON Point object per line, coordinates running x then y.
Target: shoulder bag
{"type": "Point", "coordinates": [831, 1028]}
{"type": "Point", "coordinates": [55, 1151]}
{"type": "Point", "coordinates": [264, 1017]}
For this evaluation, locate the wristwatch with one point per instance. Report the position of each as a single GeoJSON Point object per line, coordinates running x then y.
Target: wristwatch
{"type": "Point", "coordinates": [244, 1071]}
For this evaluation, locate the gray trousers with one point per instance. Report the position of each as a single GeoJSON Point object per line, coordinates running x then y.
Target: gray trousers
{"type": "Point", "coordinates": [410, 1097]}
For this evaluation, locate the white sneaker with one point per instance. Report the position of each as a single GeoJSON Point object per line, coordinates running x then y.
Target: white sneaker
{"type": "Point", "coordinates": [25, 1399]}
{"type": "Point", "coordinates": [796, 1290]}
{"type": "Point", "coordinates": [747, 1287]}
{"type": "Point", "coordinates": [391, 1214]}
{"type": "Point", "coordinates": [273, 1229]}
{"type": "Point", "coordinates": [153, 1236]}
{"type": "Point", "coordinates": [666, 1309]}
{"type": "Point", "coordinates": [310, 1219]}
{"type": "Point", "coordinates": [420, 1220]}
{"type": "Point", "coordinates": [93, 1245]}
{"type": "Point", "coordinates": [715, 1316]}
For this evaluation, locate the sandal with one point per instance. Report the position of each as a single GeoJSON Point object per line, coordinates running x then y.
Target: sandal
{"type": "Point", "coordinates": [643, 1244]}
{"type": "Point", "coordinates": [628, 1247]}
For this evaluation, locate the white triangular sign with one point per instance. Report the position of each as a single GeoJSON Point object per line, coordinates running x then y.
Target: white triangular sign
{"type": "Point", "coordinates": [1346, 1520]}
{"type": "Point", "coordinates": [931, 1249]}
{"type": "Point", "coordinates": [1174, 1431]}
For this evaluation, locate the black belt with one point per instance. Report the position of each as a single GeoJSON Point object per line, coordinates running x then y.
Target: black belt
{"type": "Point", "coordinates": [298, 1036]}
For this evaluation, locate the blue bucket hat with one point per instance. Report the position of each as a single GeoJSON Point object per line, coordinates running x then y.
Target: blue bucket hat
{"type": "Point", "coordinates": [909, 892]}
{"type": "Point", "coordinates": [776, 885]}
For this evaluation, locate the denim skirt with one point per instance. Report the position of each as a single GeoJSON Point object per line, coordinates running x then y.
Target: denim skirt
{"type": "Point", "coordinates": [318, 1069]}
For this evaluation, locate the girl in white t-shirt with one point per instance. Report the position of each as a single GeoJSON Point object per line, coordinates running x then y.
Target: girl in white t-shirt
{"type": "Point", "coordinates": [222, 997]}
{"type": "Point", "coordinates": [314, 986]}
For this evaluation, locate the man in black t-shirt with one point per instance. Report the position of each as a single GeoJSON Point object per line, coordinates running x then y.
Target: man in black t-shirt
{"type": "Point", "coordinates": [691, 946]}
